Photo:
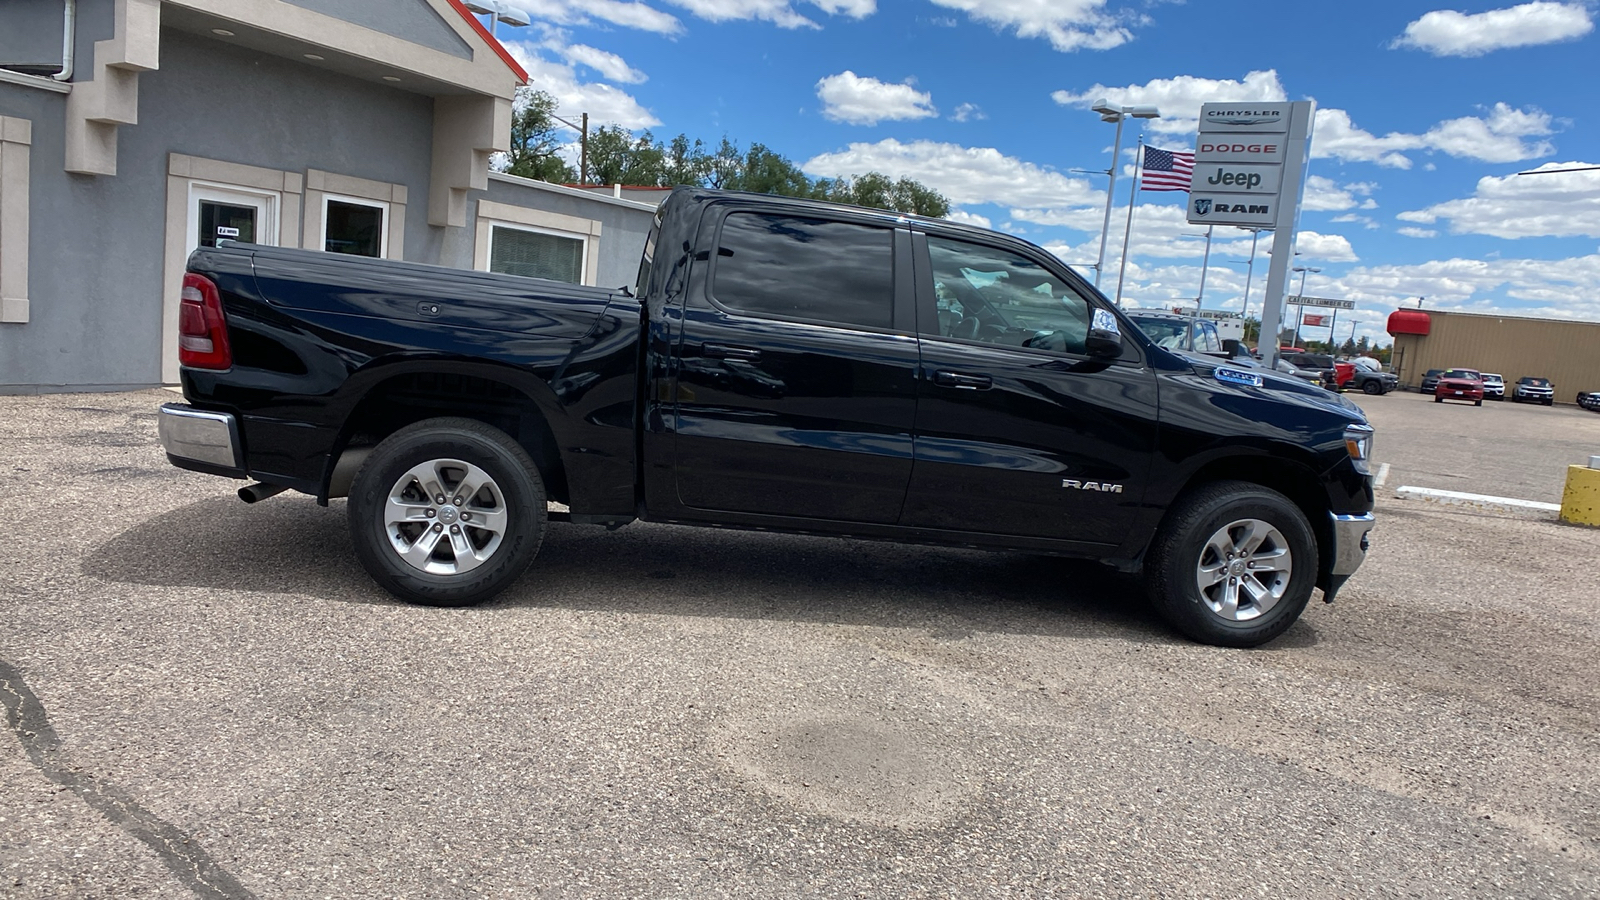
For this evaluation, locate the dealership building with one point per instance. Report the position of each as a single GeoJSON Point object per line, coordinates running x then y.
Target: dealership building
{"type": "Point", "coordinates": [134, 131]}
{"type": "Point", "coordinates": [1564, 351]}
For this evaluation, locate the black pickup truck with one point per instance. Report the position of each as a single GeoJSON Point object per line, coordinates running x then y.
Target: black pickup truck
{"type": "Point", "coordinates": [782, 365]}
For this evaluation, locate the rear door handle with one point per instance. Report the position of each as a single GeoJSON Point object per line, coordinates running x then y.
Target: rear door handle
{"type": "Point", "coordinates": [964, 382]}
{"type": "Point", "coordinates": [723, 351]}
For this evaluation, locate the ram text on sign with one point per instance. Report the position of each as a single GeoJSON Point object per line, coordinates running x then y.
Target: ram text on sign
{"type": "Point", "coordinates": [1237, 177]}
{"type": "Point", "coordinates": [1249, 117]}
{"type": "Point", "coordinates": [1297, 300]}
{"type": "Point", "coordinates": [1233, 209]}
{"type": "Point", "coordinates": [1213, 148]}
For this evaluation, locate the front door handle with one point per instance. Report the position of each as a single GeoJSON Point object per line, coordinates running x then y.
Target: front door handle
{"type": "Point", "coordinates": [723, 351]}
{"type": "Point", "coordinates": [962, 381]}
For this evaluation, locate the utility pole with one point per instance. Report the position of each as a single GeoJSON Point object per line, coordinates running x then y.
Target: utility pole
{"type": "Point", "coordinates": [583, 145]}
{"type": "Point", "coordinates": [1205, 264]}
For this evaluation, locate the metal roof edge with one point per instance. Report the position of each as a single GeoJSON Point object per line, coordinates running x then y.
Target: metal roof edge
{"type": "Point", "coordinates": [571, 192]}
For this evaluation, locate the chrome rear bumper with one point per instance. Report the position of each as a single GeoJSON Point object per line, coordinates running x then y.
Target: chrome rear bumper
{"type": "Point", "coordinates": [192, 435]}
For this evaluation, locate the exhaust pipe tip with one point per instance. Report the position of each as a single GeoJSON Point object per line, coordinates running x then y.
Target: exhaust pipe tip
{"type": "Point", "coordinates": [257, 492]}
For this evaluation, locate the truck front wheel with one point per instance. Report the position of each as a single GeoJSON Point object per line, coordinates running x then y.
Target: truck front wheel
{"type": "Point", "coordinates": [447, 512]}
{"type": "Point", "coordinates": [1371, 386]}
{"type": "Point", "coordinates": [1233, 565]}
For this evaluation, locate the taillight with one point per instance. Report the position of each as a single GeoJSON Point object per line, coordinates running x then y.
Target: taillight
{"type": "Point", "coordinates": [202, 330]}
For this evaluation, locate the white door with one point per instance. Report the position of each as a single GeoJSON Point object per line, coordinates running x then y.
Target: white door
{"type": "Point", "coordinates": [230, 213]}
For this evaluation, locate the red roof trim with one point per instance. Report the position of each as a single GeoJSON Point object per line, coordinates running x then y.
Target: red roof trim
{"type": "Point", "coordinates": [499, 49]}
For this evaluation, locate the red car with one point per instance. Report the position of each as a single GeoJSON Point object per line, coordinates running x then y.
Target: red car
{"type": "Point", "coordinates": [1459, 384]}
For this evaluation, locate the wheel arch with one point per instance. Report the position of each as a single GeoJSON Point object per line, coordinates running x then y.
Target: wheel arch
{"type": "Point", "coordinates": [382, 398]}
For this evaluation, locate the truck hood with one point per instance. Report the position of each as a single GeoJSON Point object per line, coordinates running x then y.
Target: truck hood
{"type": "Point", "coordinates": [1274, 385]}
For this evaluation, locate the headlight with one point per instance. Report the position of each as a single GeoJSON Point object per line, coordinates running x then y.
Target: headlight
{"type": "Point", "coordinates": [1358, 442]}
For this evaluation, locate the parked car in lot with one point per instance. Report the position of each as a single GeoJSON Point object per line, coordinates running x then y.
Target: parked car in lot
{"type": "Point", "coordinates": [1459, 384]}
{"type": "Point", "coordinates": [1430, 380]}
{"type": "Point", "coordinates": [1494, 386]}
{"type": "Point", "coordinates": [1370, 382]}
{"type": "Point", "coordinates": [1534, 390]}
{"type": "Point", "coordinates": [1174, 331]}
{"type": "Point", "coordinates": [1590, 400]}
{"type": "Point", "coordinates": [780, 365]}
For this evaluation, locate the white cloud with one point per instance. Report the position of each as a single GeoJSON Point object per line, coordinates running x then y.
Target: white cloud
{"type": "Point", "coordinates": [617, 12]}
{"type": "Point", "coordinates": [1068, 24]}
{"type": "Point", "coordinates": [1363, 221]}
{"type": "Point", "coordinates": [1179, 98]}
{"type": "Point", "coordinates": [968, 112]}
{"type": "Point", "coordinates": [1323, 195]}
{"type": "Point", "coordinates": [847, 97]}
{"type": "Point", "coordinates": [1566, 204]}
{"type": "Point", "coordinates": [610, 66]}
{"type": "Point", "coordinates": [604, 104]}
{"type": "Point", "coordinates": [966, 175]}
{"type": "Point", "coordinates": [778, 12]}
{"type": "Point", "coordinates": [967, 218]}
{"type": "Point", "coordinates": [1447, 32]}
{"type": "Point", "coordinates": [1561, 288]}
{"type": "Point", "coordinates": [1331, 248]}
{"type": "Point", "coordinates": [1413, 231]}
{"type": "Point", "coordinates": [1501, 136]}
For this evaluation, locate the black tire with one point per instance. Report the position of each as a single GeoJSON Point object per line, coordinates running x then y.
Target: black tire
{"type": "Point", "coordinates": [511, 503]}
{"type": "Point", "coordinates": [1185, 543]}
{"type": "Point", "coordinates": [1550, 402]}
{"type": "Point", "coordinates": [1438, 399]}
{"type": "Point", "coordinates": [1478, 402]}
{"type": "Point", "coordinates": [1371, 387]}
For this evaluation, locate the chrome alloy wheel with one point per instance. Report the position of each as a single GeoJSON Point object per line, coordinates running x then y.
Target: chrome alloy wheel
{"type": "Point", "coordinates": [445, 517]}
{"type": "Point", "coordinates": [1244, 570]}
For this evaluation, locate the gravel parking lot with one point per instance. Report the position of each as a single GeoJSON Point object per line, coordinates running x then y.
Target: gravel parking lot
{"type": "Point", "coordinates": [211, 699]}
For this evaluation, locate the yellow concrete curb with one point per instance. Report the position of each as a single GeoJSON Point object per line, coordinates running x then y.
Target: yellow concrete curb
{"type": "Point", "coordinates": [1580, 502]}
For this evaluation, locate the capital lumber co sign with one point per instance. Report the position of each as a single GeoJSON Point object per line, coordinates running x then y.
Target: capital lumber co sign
{"type": "Point", "coordinates": [1238, 169]}
{"type": "Point", "coordinates": [1297, 300]}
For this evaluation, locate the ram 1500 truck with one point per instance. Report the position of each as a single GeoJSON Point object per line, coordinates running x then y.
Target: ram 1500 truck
{"type": "Point", "coordinates": [783, 365]}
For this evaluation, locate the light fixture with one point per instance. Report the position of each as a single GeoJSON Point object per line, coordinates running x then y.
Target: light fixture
{"type": "Point", "coordinates": [483, 8]}
{"type": "Point", "coordinates": [314, 56]}
{"type": "Point", "coordinates": [1117, 115]}
{"type": "Point", "coordinates": [513, 16]}
{"type": "Point", "coordinates": [222, 31]}
{"type": "Point", "coordinates": [391, 78]}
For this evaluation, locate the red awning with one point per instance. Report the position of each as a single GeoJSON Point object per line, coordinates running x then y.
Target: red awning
{"type": "Point", "coordinates": [1408, 321]}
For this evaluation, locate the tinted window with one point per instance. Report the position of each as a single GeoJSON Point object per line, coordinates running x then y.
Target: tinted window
{"type": "Point", "coordinates": [1205, 338]}
{"type": "Point", "coordinates": [353, 228]}
{"type": "Point", "coordinates": [775, 265]}
{"type": "Point", "coordinates": [993, 295]}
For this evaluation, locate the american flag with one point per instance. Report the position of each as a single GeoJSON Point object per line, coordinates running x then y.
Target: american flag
{"type": "Point", "coordinates": [1167, 170]}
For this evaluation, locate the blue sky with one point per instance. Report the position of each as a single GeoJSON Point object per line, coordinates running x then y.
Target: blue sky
{"type": "Point", "coordinates": [1426, 112]}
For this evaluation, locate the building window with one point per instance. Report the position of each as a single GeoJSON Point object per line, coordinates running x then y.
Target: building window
{"type": "Point", "coordinates": [537, 254]}
{"type": "Point", "coordinates": [355, 227]}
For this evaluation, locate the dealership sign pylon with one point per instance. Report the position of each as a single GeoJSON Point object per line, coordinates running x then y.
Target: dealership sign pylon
{"type": "Point", "coordinates": [1249, 171]}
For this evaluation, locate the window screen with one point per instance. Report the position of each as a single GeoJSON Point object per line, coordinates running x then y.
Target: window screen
{"type": "Point", "coordinates": [534, 254]}
{"type": "Point", "coordinates": [776, 265]}
{"type": "Point", "coordinates": [353, 228]}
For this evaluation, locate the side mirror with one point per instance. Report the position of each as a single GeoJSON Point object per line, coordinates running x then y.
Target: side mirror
{"type": "Point", "coordinates": [1104, 340]}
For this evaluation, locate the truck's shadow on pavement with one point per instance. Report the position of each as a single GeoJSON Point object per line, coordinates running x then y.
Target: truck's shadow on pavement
{"type": "Point", "coordinates": [289, 545]}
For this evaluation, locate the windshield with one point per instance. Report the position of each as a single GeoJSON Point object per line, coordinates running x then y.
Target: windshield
{"type": "Point", "coordinates": [1536, 382]}
{"type": "Point", "coordinates": [1433, 373]}
{"type": "Point", "coordinates": [1467, 374]}
{"type": "Point", "coordinates": [1169, 334]}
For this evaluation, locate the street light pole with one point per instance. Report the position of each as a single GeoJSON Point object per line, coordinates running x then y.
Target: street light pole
{"type": "Point", "coordinates": [1250, 274]}
{"type": "Point", "coordinates": [1117, 114]}
{"type": "Point", "coordinates": [1300, 315]}
{"type": "Point", "coordinates": [583, 146]}
{"type": "Point", "coordinates": [1205, 265]}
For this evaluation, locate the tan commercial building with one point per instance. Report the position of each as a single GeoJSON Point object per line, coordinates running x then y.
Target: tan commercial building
{"type": "Point", "coordinates": [1564, 351]}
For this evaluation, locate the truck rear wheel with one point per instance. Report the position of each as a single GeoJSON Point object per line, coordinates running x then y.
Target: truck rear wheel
{"type": "Point", "coordinates": [1233, 565]}
{"type": "Point", "coordinates": [1371, 387]}
{"type": "Point", "coordinates": [447, 512]}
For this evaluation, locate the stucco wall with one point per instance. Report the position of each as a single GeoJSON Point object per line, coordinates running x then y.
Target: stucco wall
{"type": "Point", "coordinates": [97, 243]}
{"type": "Point", "coordinates": [412, 20]}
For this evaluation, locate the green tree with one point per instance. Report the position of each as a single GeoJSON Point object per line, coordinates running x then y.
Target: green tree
{"type": "Point", "coordinates": [534, 139]}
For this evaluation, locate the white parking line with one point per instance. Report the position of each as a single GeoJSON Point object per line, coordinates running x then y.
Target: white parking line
{"type": "Point", "coordinates": [1383, 475]}
{"type": "Point", "coordinates": [1464, 499]}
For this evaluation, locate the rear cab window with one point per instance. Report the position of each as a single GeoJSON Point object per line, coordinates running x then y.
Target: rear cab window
{"type": "Point", "coordinates": [783, 266]}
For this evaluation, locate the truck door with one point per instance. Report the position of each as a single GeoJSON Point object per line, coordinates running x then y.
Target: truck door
{"type": "Point", "coordinates": [797, 368]}
{"type": "Point", "coordinates": [1019, 431]}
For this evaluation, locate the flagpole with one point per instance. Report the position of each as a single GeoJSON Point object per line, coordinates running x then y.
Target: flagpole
{"type": "Point", "coordinates": [1133, 197]}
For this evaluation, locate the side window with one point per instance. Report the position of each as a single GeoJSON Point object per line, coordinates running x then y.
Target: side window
{"type": "Point", "coordinates": [799, 268]}
{"type": "Point", "coordinates": [993, 295]}
{"type": "Point", "coordinates": [1206, 340]}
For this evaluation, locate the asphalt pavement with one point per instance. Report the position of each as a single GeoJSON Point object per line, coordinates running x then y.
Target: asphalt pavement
{"type": "Point", "coordinates": [211, 699]}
